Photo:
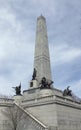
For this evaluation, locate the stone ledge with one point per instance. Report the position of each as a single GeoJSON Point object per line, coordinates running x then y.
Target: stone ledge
{"type": "Point", "coordinates": [50, 100]}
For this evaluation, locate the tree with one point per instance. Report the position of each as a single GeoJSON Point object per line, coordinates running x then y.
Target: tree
{"type": "Point", "coordinates": [14, 115]}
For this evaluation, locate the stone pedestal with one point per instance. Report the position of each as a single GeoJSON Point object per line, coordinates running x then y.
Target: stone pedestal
{"type": "Point", "coordinates": [33, 84]}
{"type": "Point", "coordinates": [18, 99]}
{"type": "Point", "coordinates": [45, 92]}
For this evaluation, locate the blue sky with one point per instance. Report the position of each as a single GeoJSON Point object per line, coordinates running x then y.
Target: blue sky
{"type": "Point", "coordinates": [17, 42]}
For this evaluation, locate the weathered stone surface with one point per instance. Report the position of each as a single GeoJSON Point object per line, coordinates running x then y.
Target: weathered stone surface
{"type": "Point", "coordinates": [69, 117]}
{"type": "Point", "coordinates": [42, 59]}
{"type": "Point", "coordinates": [5, 123]}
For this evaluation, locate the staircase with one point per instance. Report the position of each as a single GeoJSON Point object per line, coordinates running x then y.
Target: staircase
{"type": "Point", "coordinates": [34, 122]}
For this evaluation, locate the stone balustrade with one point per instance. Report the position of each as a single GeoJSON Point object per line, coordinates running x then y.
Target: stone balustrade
{"type": "Point", "coordinates": [6, 101]}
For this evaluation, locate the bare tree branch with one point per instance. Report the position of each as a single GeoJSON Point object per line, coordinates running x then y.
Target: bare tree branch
{"type": "Point", "coordinates": [14, 114]}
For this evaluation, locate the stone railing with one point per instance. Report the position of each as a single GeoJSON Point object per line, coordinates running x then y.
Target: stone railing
{"type": "Point", "coordinates": [35, 122]}
{"type": "Point", "coordinates": [6, 101]}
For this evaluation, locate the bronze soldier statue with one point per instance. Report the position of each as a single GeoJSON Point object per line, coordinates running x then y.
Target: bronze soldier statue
{"type": "Point", "coordinates": [34, 74]}
{"type": "Point", "coordinates": [45, 84]}
{"type": "Point", "coordinates": [17, 89]}
{"type": "Point", "coordinates": [67, 92]}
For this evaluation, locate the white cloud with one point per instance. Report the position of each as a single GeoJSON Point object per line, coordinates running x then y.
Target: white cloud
{"type": "Point", "coordinates": [16, 52]}
{"type": "Point", "coordinates": [17, 29]}
{"type": "Point", "coordinates": [76, 87]}
{"type": "Point", "coordinates": [64, 53]}
{"type": "Point", "coordinates": [8, 20]}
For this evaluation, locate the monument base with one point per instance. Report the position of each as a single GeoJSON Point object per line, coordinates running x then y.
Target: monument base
{"type": "Point", "coordinates": [56, 111]}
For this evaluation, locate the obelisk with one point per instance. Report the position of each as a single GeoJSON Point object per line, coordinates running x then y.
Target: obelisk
{"type": "Point", "coordinates": [41, 57]}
